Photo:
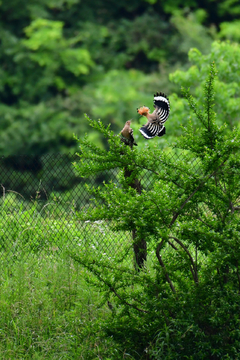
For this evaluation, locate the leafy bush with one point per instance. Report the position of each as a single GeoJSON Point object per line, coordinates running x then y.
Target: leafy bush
{"type": "Point", "coordinates": [183, 302]}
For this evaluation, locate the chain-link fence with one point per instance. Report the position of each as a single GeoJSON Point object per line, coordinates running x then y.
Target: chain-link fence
{"type": "Point", "coordinates": [40, 198]}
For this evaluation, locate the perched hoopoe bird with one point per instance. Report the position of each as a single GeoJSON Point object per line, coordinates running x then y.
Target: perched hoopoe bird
{"type": "Point", "coordinates": [127, 134]}
{"type": "Point", "coordinates": [154, 126]}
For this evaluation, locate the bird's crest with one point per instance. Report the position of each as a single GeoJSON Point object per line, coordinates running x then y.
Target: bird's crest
{"type": "Point", "coordinates": [143, 110]}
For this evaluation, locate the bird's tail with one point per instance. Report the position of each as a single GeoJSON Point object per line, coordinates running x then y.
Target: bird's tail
{"type": "Point", "coordinates": [151, 131]}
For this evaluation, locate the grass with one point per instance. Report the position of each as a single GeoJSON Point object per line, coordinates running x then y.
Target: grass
{"type": "Point", "coordinates": [48, 310]}
{"type": "Point", "coordinates": [30, 229]}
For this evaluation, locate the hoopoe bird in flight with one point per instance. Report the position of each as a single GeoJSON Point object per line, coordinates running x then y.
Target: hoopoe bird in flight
{"type": "Point", "coordinates": [154, 126]}
{"type": "Point", "coordinates": [127, 134]}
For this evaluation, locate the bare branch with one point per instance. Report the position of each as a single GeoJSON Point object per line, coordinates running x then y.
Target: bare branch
{"type": "Point", "coordinates": [172, 245]}
{"type": "Point", "coordinates": [111, 288]}
{"type": "Point", "coordinates": [197, 217]}
{"type": "Point", "coordinates": [236, 208]}
{"type": "Point", "coordinates": [163, 266]}
{"type": "Point", "coordinates": [4, 192]}
{"type": "Point", "coordinates": [15, 192]}
{"type": "Point", "coordinates": [194, 267]}
{"type": "Point", "coordinates": [126, 302]}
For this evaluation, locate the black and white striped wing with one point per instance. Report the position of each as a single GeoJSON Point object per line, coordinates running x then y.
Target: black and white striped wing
{"type": "Point", "coordinates": [162, 107]}
{"type": "Point", "coordinates": [150, 130]}
{"type": "Point", "coordinates": [131, 138]}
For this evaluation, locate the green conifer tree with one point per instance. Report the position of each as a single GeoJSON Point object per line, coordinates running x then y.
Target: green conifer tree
{"type": "Point", "coordinates": [183, 301]}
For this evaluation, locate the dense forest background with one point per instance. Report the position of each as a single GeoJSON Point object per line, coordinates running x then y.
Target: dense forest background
{"type": "Point", "coordinates": [61, 59]}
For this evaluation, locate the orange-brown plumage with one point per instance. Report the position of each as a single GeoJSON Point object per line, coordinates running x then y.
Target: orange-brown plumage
{"type": "Point", "coordinates": [143, 110]}
{"type": "Point", "coordinates": [127, 133]}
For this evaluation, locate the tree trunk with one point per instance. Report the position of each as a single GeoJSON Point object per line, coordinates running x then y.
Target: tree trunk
{"type": "Point", "coordinates": [139, 245]}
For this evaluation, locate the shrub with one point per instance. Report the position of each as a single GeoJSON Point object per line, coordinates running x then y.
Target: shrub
{"type": "Point", "coordinates": [183, 300]}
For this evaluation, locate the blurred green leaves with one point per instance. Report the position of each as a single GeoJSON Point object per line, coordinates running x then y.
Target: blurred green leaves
{"type": "Point", "coordinates": [62, 59]}
{"type": "Point", "coordinates": [230, 30]}
{"type": "Point", "coordinates": [51, 49]}
{"type": "Point", "coordinates": [226, 57]}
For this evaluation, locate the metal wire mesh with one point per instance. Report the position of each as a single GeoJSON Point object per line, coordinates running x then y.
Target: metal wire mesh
{"type": "Point", "coordinates": [39, 202]}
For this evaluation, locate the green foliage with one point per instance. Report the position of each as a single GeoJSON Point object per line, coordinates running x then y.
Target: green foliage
{"type": "Point", "coordinates": [226, 57]}
{"type": "Point", "coordinates": [31, 177]}
{"type": "Point", "coordinates": [191, 32]}
{"type": "Point", "coordinates": [48, 308]}
{"type": "Point", "coordinates": [48, 311]}
{"type": "Point", "coordinates": [230, 30]}
{"type": "Point", "coordinates": [181, 304]}
{"type": "Point", "coordinates": [51, 50]}
{"type": "Point", "coordinates": [61, 59]}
